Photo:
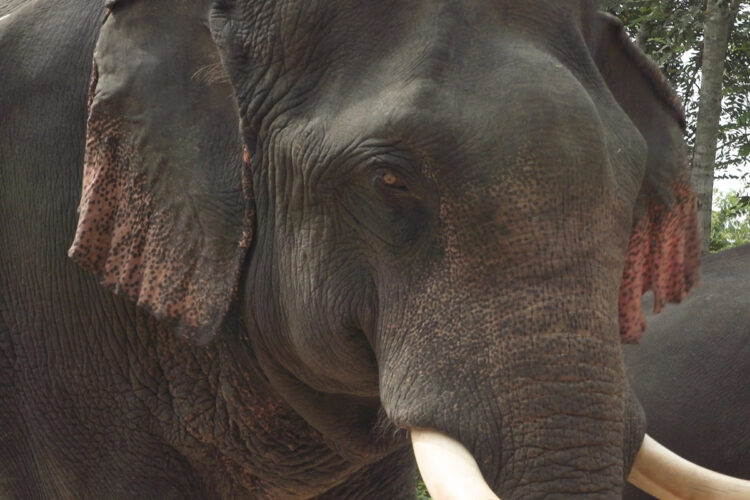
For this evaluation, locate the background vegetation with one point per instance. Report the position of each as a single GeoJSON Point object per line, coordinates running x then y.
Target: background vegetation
{"type": "Point", "coordinates": [730, 221]}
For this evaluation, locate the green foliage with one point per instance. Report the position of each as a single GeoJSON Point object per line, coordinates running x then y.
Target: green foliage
{"type": "Point", "coordinates": [735, 133]}
{"type": "Point", "coordinates": [422, 491]}
{"type": "Point", "coordinates": [730, 224]}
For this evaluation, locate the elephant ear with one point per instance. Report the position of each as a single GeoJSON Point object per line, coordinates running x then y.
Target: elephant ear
{"type": "Point", "coordinates": [166, 214]}
{"type": "Point", "coordinates": [664, 249]}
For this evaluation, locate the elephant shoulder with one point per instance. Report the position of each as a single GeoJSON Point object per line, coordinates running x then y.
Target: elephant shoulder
{"type": "Point", "coordinates": [43, 44]}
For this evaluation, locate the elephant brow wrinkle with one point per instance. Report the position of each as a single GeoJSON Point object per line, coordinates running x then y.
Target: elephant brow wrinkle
{"type": "Point", "coordinates": [212, 74]}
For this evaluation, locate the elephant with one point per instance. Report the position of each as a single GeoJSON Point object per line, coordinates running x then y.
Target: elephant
{"type": "Point", "coordinates": [693, 361]}
{"type": "Point", "coordinates": [294, 249]}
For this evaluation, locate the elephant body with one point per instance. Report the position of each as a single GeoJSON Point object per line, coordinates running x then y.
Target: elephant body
{"type": "Point", "coordinates": [252, 244]}
{"type": "Point", "coordinates": [693, 361]}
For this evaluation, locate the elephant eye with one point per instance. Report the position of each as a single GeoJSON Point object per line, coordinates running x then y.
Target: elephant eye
{"type": "Point", "coordinates": [392, 180]}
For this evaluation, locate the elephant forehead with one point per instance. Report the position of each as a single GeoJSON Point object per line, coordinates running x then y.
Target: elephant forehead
{"type": "Point", "coordinates": [449, 79]}
{"type": "Point", "coordinates": [529, 109]}
{"type": "Point", "coordinates": [336, 54]}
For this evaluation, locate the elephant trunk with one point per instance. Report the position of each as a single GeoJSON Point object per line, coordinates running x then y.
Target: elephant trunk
{"type": "Point", "coordinates": [563, 406]}
{"type": "Point", "coordinates": [520, 361]}
{"type": "Point", "coordinates": [547, 419]}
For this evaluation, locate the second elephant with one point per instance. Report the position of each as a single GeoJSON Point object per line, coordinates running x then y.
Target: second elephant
{"type": "Point", "coordinates": [692, 368]}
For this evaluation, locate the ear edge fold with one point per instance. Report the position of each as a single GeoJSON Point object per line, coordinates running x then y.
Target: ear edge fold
{"type": "Point", "coordinates": [647, 67]}
{"type": "Point", "coordinates": [179, 262]}
{"type": "Point", "coordinates": [664, 249]}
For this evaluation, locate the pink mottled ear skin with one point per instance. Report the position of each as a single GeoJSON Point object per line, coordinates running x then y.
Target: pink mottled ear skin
{"type": "Point", "coordinates": [138, 247]}
{"type": "Point", "coordinates": [663, 256]}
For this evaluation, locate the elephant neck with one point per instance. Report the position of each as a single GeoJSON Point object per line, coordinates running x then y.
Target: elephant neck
{"type": "Point", "coordinates": [233, 427]}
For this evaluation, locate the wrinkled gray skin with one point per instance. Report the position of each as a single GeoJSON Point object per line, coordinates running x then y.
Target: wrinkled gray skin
{"type": "Point", "coordinates": [694, 362]}
{"type": "Point", "coordinates": [440, 200]}
{"type": "Point", "coordinates": [10, 5]}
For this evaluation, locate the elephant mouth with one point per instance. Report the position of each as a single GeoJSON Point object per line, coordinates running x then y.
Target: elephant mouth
{"type": "Point", "coordinates": [451, 473]}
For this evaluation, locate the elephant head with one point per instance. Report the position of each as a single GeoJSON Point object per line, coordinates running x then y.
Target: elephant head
{"type": "Point", "coordinates": [429, 215]}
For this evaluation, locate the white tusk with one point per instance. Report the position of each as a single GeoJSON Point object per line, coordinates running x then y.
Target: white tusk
{"type": "Point", "coordinates": [668, 476]}
{"type": "Point", "coordinates": [448, 469]}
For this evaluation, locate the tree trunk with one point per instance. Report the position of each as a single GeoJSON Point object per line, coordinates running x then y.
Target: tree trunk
{"type": "Point", "coordinates": [719, 17]}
